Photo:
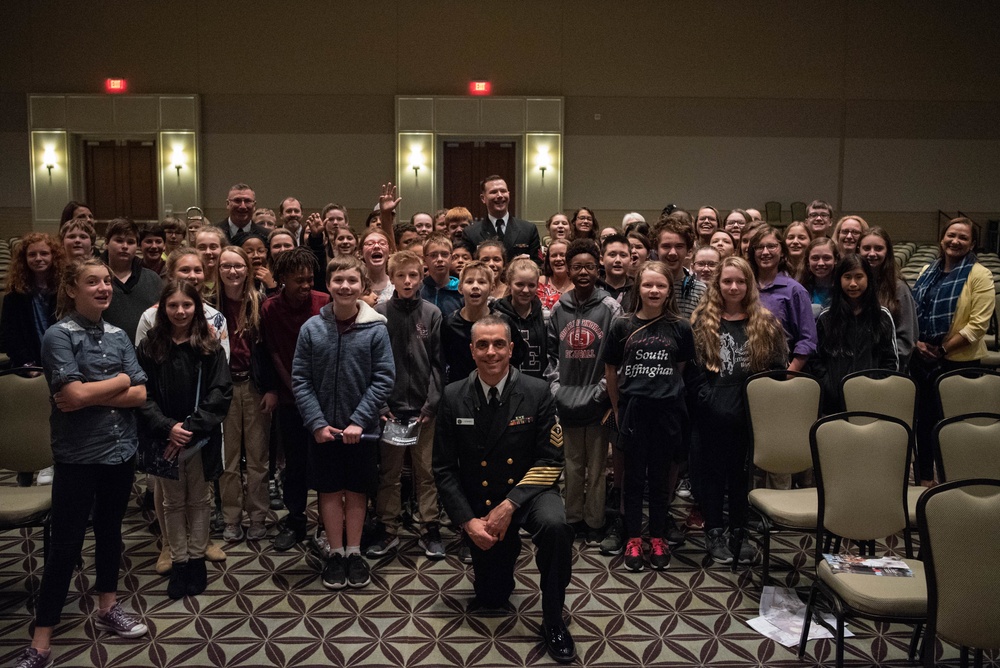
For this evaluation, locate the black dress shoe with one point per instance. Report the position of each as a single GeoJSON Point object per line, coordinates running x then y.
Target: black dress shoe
{"type": "Point", "coordinates": [558, 642]}
{"type": "Point", "coordinates": [287, 538]}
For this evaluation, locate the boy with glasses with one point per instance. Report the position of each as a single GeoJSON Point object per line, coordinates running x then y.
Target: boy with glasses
{"type": "Point", "coordinates": [577, 331]}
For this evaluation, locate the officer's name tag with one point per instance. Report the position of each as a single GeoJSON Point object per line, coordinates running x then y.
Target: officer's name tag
{"type": "Point", "coordinates": [465, 421]}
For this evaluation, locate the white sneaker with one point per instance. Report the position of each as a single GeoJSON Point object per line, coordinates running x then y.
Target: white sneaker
{"type": "Point", "coordinates": [45, 476]}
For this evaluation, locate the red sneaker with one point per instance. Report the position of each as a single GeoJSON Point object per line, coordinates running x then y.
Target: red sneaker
{"type": "Point", "coordinates": [659, 554]}
{"type": "Point", "coordinates": [633, 555]}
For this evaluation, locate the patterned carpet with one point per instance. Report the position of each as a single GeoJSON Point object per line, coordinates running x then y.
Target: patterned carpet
{"type": "Point", "coordinates": [264, 608]}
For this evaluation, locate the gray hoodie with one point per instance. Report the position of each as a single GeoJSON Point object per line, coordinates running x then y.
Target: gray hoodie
{"type": "Point", "coordinates": [576, 337]}
{"type": "Point", "coordinates": [339, 380]}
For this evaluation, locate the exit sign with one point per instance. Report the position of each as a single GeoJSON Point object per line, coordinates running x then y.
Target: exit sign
{"type": "Point", "coordinates": [115, 85]}
{"type": "Point", "coordinates": [480, 87]}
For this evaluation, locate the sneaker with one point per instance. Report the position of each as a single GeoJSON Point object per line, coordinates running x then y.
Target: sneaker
{"type": "Point", "coordinates": [32, 658]}
{"type": "Point", "coordinates": [334, 574]}
{"type": "Point", "coordinates": [694, 521]}
{"type": "Point", "coordinates": [594, 536]}
{"type": "Point", "coordinates": [718, 547]}
{"type": "Point", "coordinates": [431, 543]}
{"type": "Point", "coordinates": [218, 522]}
{"type": "Point", "coordinates": [614, 540]}
{"type": "Point", "coordinates": [257, 531]}
{"type": "Point", "coordinates": [45, 476]}
{"type": "Point", "coordinates": [464, 553]}
{"type": "Point", "coordinates": [675, 537]}
{"type": "Point", "coordinates": [747, 552]}
{"type": "Point", "coordinates": [358, 574]}
{"type": "Point", "coordinates": [274, 492]}
{"type": "Point", "coordinates": [387, 544]}
{"type": "Point", "coordinates": [233, 533]}
{"type": "Point", "coordinates": [684, 488]}
{"type": "Point", "coordinates": [320, 544]}
{"type": "Point", "coordinates": [633, 555]}
{"type": "Point", "coordinates": [121, 623]}
{"type": "Point", "coordinates": [659, 554]}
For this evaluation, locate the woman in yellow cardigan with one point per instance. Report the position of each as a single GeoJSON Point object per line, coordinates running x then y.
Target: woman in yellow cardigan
{"type": "Point", "coordinates": [955, 300]}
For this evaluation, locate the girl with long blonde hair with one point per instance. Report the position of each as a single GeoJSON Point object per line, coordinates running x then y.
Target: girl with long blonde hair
{"type": "Point", "coordinates": [735, 336]}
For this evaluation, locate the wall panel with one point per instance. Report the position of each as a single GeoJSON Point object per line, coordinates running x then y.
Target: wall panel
{"type": "Point", "coordinates": [317, 169]}
{"type": "Point", "coordinates": [630, 173]}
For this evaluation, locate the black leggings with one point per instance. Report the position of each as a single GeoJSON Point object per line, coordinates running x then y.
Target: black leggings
{"type": "Point", "coordinates": [722, 470]}
{"type": "Point", "coordinates": [651, 435]}
{"type": "Point", "coordinates": [76, 488]}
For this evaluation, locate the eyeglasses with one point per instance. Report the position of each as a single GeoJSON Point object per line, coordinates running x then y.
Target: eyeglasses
{"type": "Point", "coordinates": [819, 214]}
{"type": "Point", "coordinates": [233, 267]}
{"type": "Point", "coordinates": [583, 267]}
{"type": "Point", "coordinates": [736, 223]}
{"type": "Point", "coordinates": [768, 247]}
{"type": "Point", "coordinates": [241, 200]}
{"type": "Point", "coordinates": [706, 265]}
{"type": "Point", "coordinates": [584, 217]}
{"type": "Point", "coordinates": [850, 233]}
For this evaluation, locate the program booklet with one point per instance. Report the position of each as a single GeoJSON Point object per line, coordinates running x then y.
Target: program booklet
{"type": "Point", "coordinates": [885, 566]}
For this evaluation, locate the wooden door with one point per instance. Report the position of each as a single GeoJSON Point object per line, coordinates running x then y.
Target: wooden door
{"type": "Point", "coordinates": [468, 163]}
{"type": "Point", "coordinates": [120, 178]}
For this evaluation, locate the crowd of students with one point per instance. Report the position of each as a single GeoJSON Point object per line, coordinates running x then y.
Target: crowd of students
{"type": "Point", "coordinates": [243, 361]}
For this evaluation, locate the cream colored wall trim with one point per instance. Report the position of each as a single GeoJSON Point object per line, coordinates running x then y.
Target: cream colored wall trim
{"type": "Point", "coordinates": [58, 122]}
{"type": "Point", "coordinates": [423, 123]}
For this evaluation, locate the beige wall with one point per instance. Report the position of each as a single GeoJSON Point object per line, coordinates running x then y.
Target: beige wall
{"type": "Point", "coordinates": [886, 108]}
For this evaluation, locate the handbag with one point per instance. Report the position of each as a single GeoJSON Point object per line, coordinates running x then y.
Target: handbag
{"type": "Point", "coordinates": [149, 455]}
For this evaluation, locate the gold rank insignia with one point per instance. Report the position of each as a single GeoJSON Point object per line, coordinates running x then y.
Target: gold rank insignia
{"type": "Point", "coordinates": [556, 436]}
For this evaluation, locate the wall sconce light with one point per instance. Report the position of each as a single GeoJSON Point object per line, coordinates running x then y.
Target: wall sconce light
{"type": "Point", "coordinates": [178, 160]}
{"type": "Point", "coordinates": [49, 159]}
{"type": "Point", "coordinates": [543, 160]}
{"type": "Point", "coordinates": [416, 161]}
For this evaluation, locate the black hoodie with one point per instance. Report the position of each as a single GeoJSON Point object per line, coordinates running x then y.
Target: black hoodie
{"type": "Point", "coordinates": [532, 330]}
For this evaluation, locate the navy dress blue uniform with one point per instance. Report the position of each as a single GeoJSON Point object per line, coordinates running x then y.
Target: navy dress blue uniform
{"type": "Point", "coordinates": [485, 454]}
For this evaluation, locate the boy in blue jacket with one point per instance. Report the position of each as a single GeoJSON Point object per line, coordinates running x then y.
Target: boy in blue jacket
{"type": "Point", "coordinates": [342, 374]}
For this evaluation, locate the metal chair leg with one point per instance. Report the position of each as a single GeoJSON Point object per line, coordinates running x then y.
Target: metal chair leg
{"type": "Point", "coordinates": [808, 621]}
{"type": "Point", "coordinates": [840, 642]}
{"type": "Point", "coordinates": [915, 642]}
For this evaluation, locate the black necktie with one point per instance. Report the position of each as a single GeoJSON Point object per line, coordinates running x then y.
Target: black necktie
{"type": "Point", "coordinates": [500, 230]}
{"type": "Point", "coordinates": [494, 399]}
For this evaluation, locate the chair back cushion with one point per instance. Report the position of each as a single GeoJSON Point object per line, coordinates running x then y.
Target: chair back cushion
{"type": "Point", "coordinates": [781, 414]}
{"type": "Point", "coordinates": [960, 524]}
{"type": "Point", "coordinates": [25, 442]}
{"type": "Point", "coordinates": [892, 395]}
{"type": "Point", "coordinates": [970, 449]}
{"type": "Point", "coordinates": [962, 394]}
{"type": "Point", "coordinates": [861, 473]}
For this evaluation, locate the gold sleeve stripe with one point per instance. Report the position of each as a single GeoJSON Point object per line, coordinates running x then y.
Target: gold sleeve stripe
{"type": "Point", "coordinates": [541, 475]}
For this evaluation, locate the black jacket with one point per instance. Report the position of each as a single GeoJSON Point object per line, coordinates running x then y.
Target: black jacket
{"type": "Point", "coordinates": [532, 331]}
{"type": "Point", "coordinates": [520, 237]}
{"type": "Point", "coordinates": [415, 335]}
{"type": "Point", "coordinates": [476, 466]}
{"type": "Point", "coordinates": [18, 336]}
{"type": "Point", "coordinates": [863, 349]}
{"type": "Point", "coordinates": [170, 398]}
